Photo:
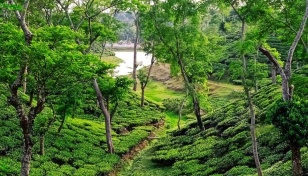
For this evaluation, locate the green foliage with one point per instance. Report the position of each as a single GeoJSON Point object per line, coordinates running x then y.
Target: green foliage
{"type": "Point", "coordinates": [241, 170]}
{"type": "Point", "coordinates": [225, 147]}
{"type": "Point", "coordinates": [80, 148]}
{"type": "Point", "coordinates": [299, 81]}
{"type": "Point", "coordinates": [291, 118]}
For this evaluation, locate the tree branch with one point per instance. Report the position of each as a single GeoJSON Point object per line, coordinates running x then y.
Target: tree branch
{"type": "Point", "coordinates": [22, 20]}
{"type": "Point", "coordinates": [291, 28]}
{"type": "Point", "coordinates": [272, 60]}
{"type": "Point", "coordinates": [295, 42]}
{"type": "Point", "coordinates": [67, 14]}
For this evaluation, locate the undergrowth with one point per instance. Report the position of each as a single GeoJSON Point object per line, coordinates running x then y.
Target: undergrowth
{"type": "Point", "coordinates": [80, 148]}
{"type": "Point", "coordinates": [224, 148]}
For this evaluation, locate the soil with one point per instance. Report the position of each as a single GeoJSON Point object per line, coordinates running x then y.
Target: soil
{"type": "Point", "coordinates": [161, 72]}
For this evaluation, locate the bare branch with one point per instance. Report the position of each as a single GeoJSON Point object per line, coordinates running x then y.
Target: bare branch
{"type": "Point", "coordinates": [25, 9]}
{"type": "Point", "coordinates": [295, 42]}
{"type": "Point", "coordinates": [18, 16]}
{"type": "Point", "coordinates": [287, 23]}
{"type": "Point", "coordinates": [66, 13]}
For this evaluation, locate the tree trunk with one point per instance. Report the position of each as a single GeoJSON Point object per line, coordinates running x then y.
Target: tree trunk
{"type": "Point", "coordinates": [198, 112]}
{"type": "Point", "coordinates": [180, 113]}
{"type": "Point", "coordinates": [26, 158]}
{"type": "Point", "coordinates": [285, 89]}
{"type": "Point", "coordinates": [114, 110]}
{"type": "Point", "coordinates": [249, 100]}
{"type": "Point", "coordinates": [42, 147]}
{"type": "Point", "coordinates": [103, 48]}
{"type": "Point", "coordinates": [25, 80]}
{"type": "Point", "coordinates": [253, 131]}
{"type": "Point", "coordinates": [142, 96]}
{"type": "Point", "coordinates": [143, 86]}
{"type": "Point", "coordinates": [62, 123]}
{"type": "Point", "coordinates": [107, 117]}
{"type": "Point", "coordinates": [135, 52]}
{"type": "Point", "coordinates": [296, 159]}
{"type": "Point", "coordinates": [193, 95]}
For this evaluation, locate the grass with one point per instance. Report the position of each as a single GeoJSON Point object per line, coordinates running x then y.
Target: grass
{"type": "Point", "coordinates": [157, 92]}
{"type": "Point", "coordinates": [221, 94]}
{"type": "Point", "coordinates": [111, 60]}
{"type": "Point", "coordinates": [143, 166]}
{"type": "Point", "coordinates": [222, 89]}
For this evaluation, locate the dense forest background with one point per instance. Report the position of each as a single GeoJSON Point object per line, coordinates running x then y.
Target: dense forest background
{"type": "Point", "coordinates": [226, 92]}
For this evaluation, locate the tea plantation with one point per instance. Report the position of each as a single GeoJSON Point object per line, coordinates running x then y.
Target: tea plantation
{"type": "Point", "coordinates": [80, 148]}
{"type": "Point", "coordinates": [224, 148]}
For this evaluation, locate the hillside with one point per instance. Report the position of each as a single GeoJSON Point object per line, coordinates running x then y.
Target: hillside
{"type": "Point", "coordinates": [80, 148]}
{"type": "Point", "coordinates": [224, 148]}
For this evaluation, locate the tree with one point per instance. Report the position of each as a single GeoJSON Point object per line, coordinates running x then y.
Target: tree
{"type": "Point", "coordinates": [135, 50]}
{"type": "Point", "coordinates": [42, 124]}
{"type": "Point", "coordinates": [137, 7]}
{"type": "Point", "coordinates": [44, 53]}
{"type": "Point", "coordinates": [280, 23]}
{"type": "Point", "coordinates": [107, 117]}
{"type": "Point", "coordinates": [179, 41]}
{"type": "Point", "coordinates": [114, 90]}
{"type": "Point", "coordinates": [246, 88]}
{"type": "Point", "coordinates": [144, 76]}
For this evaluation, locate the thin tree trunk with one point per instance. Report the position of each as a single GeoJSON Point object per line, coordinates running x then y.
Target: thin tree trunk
{"type": "Point", "coordinates": [253, 131]}
{"type": "Point", "coordinates": [42, 142]}
{"type": "Point", "coordinates": [114, 110]}
{"type": "Point", "coordinates": [198, 112]}
{"type": "Point", "coordinates": [249, 100]}
{"type": "Point", "coordinates": [62, 123]}
{"type": "Point", "coordinates": [103, 48]}
{"type": "Point", "coordinates": [180, 113]}
{"type": "Point", "coordinates": [25, 80]}
{"type": "Point", "coordinates": [135, 52]}
{"type": "Point", "coordinates": [143, 86]}
{"type": "Point", "coordinates": [192, 91]}
{"type": "Point", "coordinates": [181, 108]}
{"type": "Point", "coordinates": [107, 117]}
{"type": "Point", "coordinates": [296, 159]}
{"type": "Point", "coordinates": [142, 96]}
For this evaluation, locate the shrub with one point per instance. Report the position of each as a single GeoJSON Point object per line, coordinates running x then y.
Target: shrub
{"type": "Point", "coordinates": [240, 170]}
{"type": "Point", "coordinates": [279, 168]}
{"type": "Point", "coordinates": [291, 118]}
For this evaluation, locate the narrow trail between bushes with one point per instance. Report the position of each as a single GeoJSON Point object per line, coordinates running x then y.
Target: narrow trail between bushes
{"type": "Point", "coordinates": [163, 86]}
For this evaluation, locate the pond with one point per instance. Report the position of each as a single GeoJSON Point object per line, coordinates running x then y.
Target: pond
{"type": "Point", "coordinates": [126, 67]}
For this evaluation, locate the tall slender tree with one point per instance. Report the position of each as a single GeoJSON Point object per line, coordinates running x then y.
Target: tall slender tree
{"type": "Point", "coordinates": [176, 27]}
{"type": "Point", "coordinates": [247, 91]}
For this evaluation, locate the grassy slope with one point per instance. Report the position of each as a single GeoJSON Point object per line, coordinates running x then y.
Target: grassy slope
{"type": "Point", "coordinates": [80, 148]}
{"type": "Point", "coordinates": [224, 148]}
{"type": "Point", "coordinates": [221, 94]}
{"type": "Point", "coordinates": [142, 164]}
